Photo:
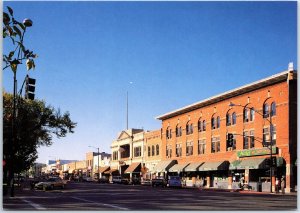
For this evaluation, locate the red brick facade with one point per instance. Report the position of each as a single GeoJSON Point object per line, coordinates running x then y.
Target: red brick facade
{"type": "Point", "coordinates": [279, 89]}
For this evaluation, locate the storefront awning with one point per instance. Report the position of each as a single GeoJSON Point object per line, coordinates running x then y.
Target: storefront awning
{"type": "Point", "coordinates": [235, 165]}
{"type": "Point", "coordinates": [192, 167]}
{"type": "Point", "coordinates": [214, 166]}
{"type": "Point", "coordinates": [103, 169]}
{"type": "Point", "coordinates": [163, 166]}
{"type": "Point", "coordinates": [178, 167]}
{"type": "Point", "coordinates": [133, 168]}
{"type": "Point", "coordinates": [256, 163]}
{"type": "Point", "coordinates": [111, 171]}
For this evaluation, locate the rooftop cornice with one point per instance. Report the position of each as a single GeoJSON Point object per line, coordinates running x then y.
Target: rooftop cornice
{"type": "Point", "coordinates": [280, 77]}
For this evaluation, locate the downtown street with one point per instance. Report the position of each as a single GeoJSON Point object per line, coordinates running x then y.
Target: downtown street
{"type": "Point", "coordinates": [117, 197]}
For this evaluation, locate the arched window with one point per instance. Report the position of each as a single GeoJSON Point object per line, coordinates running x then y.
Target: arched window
{"type": "Point", "coordinates": [157, 149]}
{"type": "Point", "coordinates": [200, 129]}
{"type": "Point", "coordinates": [153, 150]}
{"type": "Point", "coordinates": [149, 151]}
{"type": "Point", "coordinates": [246, 118]}
{"type": "Point", "coordinates": [218, 122]}
{"type": "Point", "coordinates": [189, 128]}
{"type": "Point", "coordinates": [233, 118]}
{"type": "Point", "coordinates": [252, 113]}
{"type": "Point", "coordinates": [204, 125]}
{"type": "Point", "coordinates": [213, 124]}
{"type": "Point", "coordinates": [273, 109]}
{"type": "Point", "coordinates": [266, 110]}
{"type": "Point", "coordinates": [228, 119]}
{"type": "Point", "coordinates": [177, 131]}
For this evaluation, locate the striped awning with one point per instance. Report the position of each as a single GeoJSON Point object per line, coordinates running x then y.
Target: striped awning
{"type": "Point", "coordinates": [111, 171]}
{"type": "Point", "coordinates": [193, 167]}
{"type": "Point", "coordinates": [214, 166]}
{"type": "Point", "coordinates": [178, 167]}
{"type": "Point", "coordinates": [103, 169]}
{"type": "Point", "coordinates": [163, 166]}
{"type": "Point", "coordinates": [133, 168]}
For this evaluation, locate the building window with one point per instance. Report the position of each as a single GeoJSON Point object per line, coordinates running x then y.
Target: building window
{"type": "Point", "coordinates": [266, 110]}
{"type": "Point", "coordinates": [115, 155]}
{"type": "Point", "coordinates": [246, 116]}
{"type": "Point", "coordinates": [189, 148]}
{"type": "Point", "coordinates": [233, 118]}
{"type": "Point", "coordinates": [273, 129]}
{"type": "Point", "coordinates": [252, 141]}
{"type": "Point", "coordinates": [252, 114]}
{"type": "Point", "coordinates": [178, 131]}
{"type": "Point", "coordinates": [157, 149]}
{"type": "Point", "coordinates": [273, 109]}
{"type": "Point", "coordinates": [189, 129]}
{"type": "Point", "coordinates": [215, 144]}
{"type": "Point", "coordinates": [228, 119]}
{"type": "Point", "coordinates": [266, 136]}
{"type": "Point", "coordinates": [169, 133]}
{"type": "Point", "coordinates": [213, 123]}
{"type": "Point", "coordinates": [201, 146]}
{"type": "Point", "coordinates": [246, 141]}
{"type": "Point", "coordinates": [149, 151]}
{"type": "Point", "coordinates": [169, 151]}
{"type": "Point", "coordinates": [204, 125]}
{"type": "Point", "coordinates": [218, 122]}
{"type": "Point", "coordinates": [178, 150]}
{"type": "Point", "coordinates": [137, 151]}
{"type": "Point", "coordinates": [231, 146]}
{"type": "Point", "coordinates": [200, 128]}
{"type": "Point", "coordinates": [153, 150]}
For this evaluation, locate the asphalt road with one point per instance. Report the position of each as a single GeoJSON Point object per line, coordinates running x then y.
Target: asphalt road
{"type": "Point", "coordinates": [94, 196]}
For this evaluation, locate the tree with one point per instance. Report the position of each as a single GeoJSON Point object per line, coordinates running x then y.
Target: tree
{"type": "Point", "coordinates": [15, 31]}
{"type": "Point", "coordinates": [36, 124]}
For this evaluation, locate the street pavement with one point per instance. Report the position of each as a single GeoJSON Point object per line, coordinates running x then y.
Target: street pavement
{"type": "Point", "coordinates": [94, 196]}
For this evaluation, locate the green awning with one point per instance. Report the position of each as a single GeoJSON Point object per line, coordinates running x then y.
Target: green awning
{"type": "Point", "coordinates": [193, 167]}
{"type": "Point", "coordinates": [214, 166]}
{"type": "Point", "coordinates": [163, 166]}
{"type": "Point", "coordinates": [235, 165]}
{"type": "Point", "coordinates": [178, 167]}
{"type": "Point", "coordinates": [255, 163]}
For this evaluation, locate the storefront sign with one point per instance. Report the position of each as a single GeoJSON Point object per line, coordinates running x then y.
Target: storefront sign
{"type": "Point", "coordinates": [256, 152]}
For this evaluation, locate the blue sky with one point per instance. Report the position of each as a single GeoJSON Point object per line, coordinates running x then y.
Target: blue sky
{"type": "Point", "coordinates": [175, 53]}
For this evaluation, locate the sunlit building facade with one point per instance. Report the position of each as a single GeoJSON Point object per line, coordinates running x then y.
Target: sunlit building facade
{"type": "Point", "coordinates": [261, 120]}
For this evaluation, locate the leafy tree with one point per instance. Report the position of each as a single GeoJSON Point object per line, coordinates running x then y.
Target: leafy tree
{"type": "Point", "coordinates": [15, 31]}
{"type": "Point", "coordinates": [35, 126]}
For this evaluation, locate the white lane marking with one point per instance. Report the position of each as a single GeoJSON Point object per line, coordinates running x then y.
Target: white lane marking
{"type": "Point", "coordinates": [35, 205]}
{"type": "Point", "coordinates": [102, 204]}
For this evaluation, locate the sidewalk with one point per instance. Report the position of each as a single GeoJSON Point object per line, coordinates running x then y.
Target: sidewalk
{"type": "Point", "coordinates": [241, 191]}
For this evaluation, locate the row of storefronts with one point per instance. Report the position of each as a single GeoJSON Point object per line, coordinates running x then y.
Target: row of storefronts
{"type": "Point", "coordinates": [245, 136]}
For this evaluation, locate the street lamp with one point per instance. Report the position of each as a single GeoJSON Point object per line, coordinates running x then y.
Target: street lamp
{"type": "Point", "coordinates": [271, 140]}
{"type": "Point", "coordinates": [98, 160]}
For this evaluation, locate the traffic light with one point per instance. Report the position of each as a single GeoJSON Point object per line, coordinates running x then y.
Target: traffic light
{"type": "Point", "coordinates": [229, 140]}
{"type": "Point", "coordinates": [273, 161]}
{"type": "Point", "coordinates": [29, 88]}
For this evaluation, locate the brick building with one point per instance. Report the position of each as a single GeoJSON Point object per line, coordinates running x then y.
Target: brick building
{"type": "Point", "coordinates": [196, 136]}
{"type": "Point", "coordinates": [152, 152]}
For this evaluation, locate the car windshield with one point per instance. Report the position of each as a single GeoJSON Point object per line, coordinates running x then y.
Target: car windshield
{"type": "Point", "coordinates": [174, 178]}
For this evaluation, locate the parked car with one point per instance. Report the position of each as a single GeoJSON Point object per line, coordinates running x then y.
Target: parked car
{"type": "Point", "coordinates": [51, 183]}
{"type": "Point", "coordinates": [116, 179]}
{"type": "Point", "coordinates": [125, 181]}
{"type": "Point", "coordinates": [159, 182]}
{"type": "Point", "coordinates": [103, 180]}
{"type": "Point", "coordinates": [87, 179]}
{"type": "Point", "coordinates": [174, 181]}
{"type": "Point", "coordinates": [135, 181]}
{"type": "Point", "coordinates": [146, 182]}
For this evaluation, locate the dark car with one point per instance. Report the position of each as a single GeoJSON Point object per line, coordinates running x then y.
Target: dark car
{"type": "Point", "coordinates": [135, 181]}
{"type": "Point", "coordinates": [124, 181]}
{"type": "Point", "coordinates": [103, 180]}
{"type": "Point", "coordinates": [146, 182]}
{"type": "Point", "coordinates": [159, 182]}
